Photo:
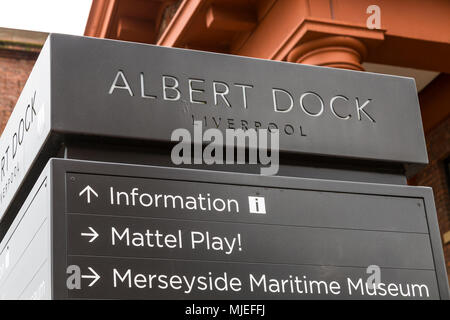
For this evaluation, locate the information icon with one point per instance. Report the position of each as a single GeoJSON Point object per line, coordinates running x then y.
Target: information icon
{"type": "Point", "coordinates": [257, 205]}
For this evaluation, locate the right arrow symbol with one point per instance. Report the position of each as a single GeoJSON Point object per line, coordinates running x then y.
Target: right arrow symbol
{"type": "Point", "coordinates": [88, 190]}
{"type": "Point", "coordinates": [93, 234]}
{"type": "Point", "coordinates": [94, 276]}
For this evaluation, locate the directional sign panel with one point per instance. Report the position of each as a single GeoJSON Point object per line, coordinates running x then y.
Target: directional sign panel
{"type": "Point", "coordinates": [155, 233]}
{"type": "Point", "coordinates": [92, 230]}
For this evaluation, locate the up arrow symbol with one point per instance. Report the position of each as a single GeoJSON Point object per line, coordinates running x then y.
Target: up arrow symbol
{"type": "Point", "coordinates": [94, 275]}
{"type": "Point", "coordinates": [93, 234]}
{"type": "Point", "coordinates": [88, 190]}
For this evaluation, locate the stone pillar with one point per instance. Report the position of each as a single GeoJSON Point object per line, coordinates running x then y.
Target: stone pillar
{"type": "Point", "coordinates": [336, 52]}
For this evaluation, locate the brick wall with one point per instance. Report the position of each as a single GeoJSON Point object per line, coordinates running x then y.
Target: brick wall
{"type": "Point", "coordinates": [15, 67]}
{"type": "Point", "coordinates": [435, 176]}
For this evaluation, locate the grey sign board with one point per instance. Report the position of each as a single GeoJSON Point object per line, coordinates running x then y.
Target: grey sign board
{"type": "Point", "coordinates": [145, 232]}
{"type": "Point", "coordinates": [27, 130]}
{"type": "Point", "coordinates": [104, 88]}
{"type": "Point", "coordinates": [25, 251]}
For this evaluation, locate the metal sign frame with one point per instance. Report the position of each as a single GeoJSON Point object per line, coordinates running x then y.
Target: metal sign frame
{"type": "Point", "coordinates": [61, 168]}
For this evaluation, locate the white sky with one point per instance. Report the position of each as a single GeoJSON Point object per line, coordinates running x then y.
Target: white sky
{"type": "Point", "coordinates": [60, 16]}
